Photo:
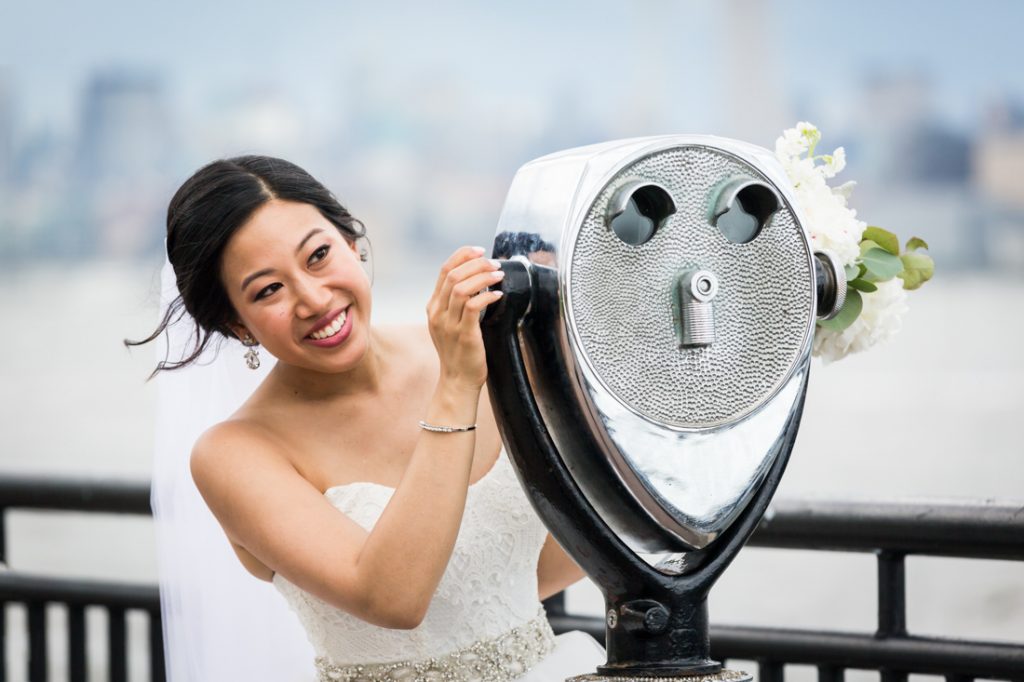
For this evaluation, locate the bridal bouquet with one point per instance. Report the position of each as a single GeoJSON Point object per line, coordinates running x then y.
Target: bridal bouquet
{"type": "Point", "coordinates": [878, 273]}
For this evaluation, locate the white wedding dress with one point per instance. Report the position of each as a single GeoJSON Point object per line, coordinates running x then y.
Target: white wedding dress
{"type": "Point", "coordinates": [485, 621]}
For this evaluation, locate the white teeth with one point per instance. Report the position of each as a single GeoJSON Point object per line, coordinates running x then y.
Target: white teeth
{"type": "Point", "coordinates": [332, 328]}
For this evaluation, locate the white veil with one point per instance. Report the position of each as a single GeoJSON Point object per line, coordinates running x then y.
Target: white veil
{"type": "Point", "coordinates": [219, 622]}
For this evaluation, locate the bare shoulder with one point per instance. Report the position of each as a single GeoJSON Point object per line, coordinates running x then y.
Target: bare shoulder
{"type": "Point", "coordinates": [235, 443]}
{"type": "Point", "coordinates": [234, 456]}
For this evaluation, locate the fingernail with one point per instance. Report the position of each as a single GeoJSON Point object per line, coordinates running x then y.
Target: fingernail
{"type": "Point", "coordinates": [479, 249]}
{"type": "Point", "coordinates": [495, 262]}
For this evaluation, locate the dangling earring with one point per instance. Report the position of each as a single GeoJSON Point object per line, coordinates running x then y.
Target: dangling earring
{"type": "Point", "coordinates": [365, 256]}
{"type": "Point", "coordinates": [252, 356]}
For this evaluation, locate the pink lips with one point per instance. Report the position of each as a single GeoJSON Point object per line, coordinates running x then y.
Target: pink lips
{"type": "Point", "coordinates": [325, 321]}
{"type": "Point", "coordinates": [338, 338]}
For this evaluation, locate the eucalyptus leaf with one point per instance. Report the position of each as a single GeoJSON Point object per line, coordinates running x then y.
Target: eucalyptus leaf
{"type": "Point", "coordinates": [851, 309]}
{"type": "Point", "coordinates": [866, 245]}
{"type": "Point", "coordinates": [918, 268]}
{"type": "Point", "coordinates": [915, 243]}
{"type": "Point", "coordinates": [862, 285]}
{"type": "Point", "coordinates": [852, 272]}
{"type": "Point", "coordinates": [881, 265]}
{"type": "Point", "coordinates": [885, 239]}
{"type": "Point", "coordinates": [911, 279]}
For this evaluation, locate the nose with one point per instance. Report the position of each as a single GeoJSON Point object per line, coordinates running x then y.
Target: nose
{"type": "Point", "coordinates": [312, 298]}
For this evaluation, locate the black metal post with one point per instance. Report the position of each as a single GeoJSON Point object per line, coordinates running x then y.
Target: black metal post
{"type": "Point", "coordinates": [76, 642]}
{"type": "Point", "coordinates": [117, 639]}
{"type": "Point", "coordinates": [37, 641]}
{"type": "Point", "coordinates": [892, 604]}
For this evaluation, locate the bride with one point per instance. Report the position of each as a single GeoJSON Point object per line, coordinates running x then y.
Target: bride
{"type": "Point", "coordinates": [363, 477]}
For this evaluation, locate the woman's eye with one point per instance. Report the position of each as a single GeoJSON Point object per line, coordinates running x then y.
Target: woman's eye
{"type": "Point", "coordinates": [265, 290]}
{"type": "Point", "coordinates": [325, 248]}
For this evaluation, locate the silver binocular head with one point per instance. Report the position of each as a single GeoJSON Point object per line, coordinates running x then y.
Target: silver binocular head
{"type": "Point", "coordinates": [686, 292]}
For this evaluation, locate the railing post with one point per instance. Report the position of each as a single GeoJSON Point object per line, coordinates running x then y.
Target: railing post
{"type": "Point", "coordinates": [770, 671]}
{"type": "Point", "coordinates": [830, 673]}
{"type": "Point", "coordinates": [76, 643]}
{"type": "Point", "coordinates": [892, 594]}
{"type": "Point", "coordinates": [555, 605]}
{"type": "Point", "coordinates": [892, 603]}
{"type": "Point", "coordinates": [37, 641]}
{"type": "Point", "coordinates": [157, 665]}
{"type": "Point", "coordinates": [117, 644]}
{"type": "Point", "coordinates": [3, 604]}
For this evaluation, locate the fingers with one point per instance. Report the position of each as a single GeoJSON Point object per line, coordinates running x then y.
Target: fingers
{"type": "Point", "coordinates": [461, 255]}
{"type": "Point", "coordinates": [457, 287]}
{"type": "Point", "coordinates": [455, 309]}
{"type": "Point", "coordinates": [469, 290]}
{"type": "Point", "coordinates": [471, 311]}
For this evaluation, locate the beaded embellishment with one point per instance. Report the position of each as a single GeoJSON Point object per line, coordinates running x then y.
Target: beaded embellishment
{"type": "Point", "coordinates": [501, 659]}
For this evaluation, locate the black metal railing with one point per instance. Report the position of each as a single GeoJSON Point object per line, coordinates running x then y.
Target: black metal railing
{"type": "Point", "coordinates": [37, 593]}
{"type": "Point", "coordinates": [890, 530]}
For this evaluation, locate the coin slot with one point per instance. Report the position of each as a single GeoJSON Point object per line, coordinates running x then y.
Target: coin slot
{"type": "Point", "coordinates": [637, 210]}
{"type": "Point", "coordinates": [743, 208]}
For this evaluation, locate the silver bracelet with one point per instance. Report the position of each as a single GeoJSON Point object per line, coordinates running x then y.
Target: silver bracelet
{"type": "Point", "coordinates": [445, 429]}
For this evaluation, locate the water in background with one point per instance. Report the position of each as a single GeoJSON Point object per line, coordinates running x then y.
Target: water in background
{"type": "Point", "coordinates": [934, 413]}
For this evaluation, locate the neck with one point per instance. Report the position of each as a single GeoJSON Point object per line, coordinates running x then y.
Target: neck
{"type": "Point", "coordinates": [367, 377]}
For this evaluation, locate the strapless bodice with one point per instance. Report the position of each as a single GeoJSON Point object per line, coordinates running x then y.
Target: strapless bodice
{"type": "Point", "coordinates": [488, 588]}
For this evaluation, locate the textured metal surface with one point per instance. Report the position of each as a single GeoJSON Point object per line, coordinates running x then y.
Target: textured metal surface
{"type": "Point", "coordinates": [662, 487]}
{"type": "Point", "coordinates": [622, 309]}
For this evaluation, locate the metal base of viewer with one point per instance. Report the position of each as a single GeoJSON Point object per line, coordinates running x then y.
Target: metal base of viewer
{"type": "Point", "coordinates": [721, 676]}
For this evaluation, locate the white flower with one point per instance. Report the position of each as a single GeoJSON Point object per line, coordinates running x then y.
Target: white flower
{"type": "Point", "coordinates": [790, 144]}
{"type": "Point", "coordinates": [845, 190]}
{"type": "Point", "coordinates": [834, 162]}
{"type": "Point", "coordinates": [795, 141]}
{"type": "Point", "coordinates": [832, 225]}
{"type": "Point", "coordinates": [879, 321]}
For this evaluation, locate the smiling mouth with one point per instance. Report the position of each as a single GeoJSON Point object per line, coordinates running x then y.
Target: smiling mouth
{"type": "Point", "coordinates": [331, 329]}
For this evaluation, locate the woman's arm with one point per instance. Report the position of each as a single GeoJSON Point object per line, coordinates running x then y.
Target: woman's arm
{"type": "Point", "coordinates": [389, 575]}
{"type": "Point", "coordinates": [555, 570]}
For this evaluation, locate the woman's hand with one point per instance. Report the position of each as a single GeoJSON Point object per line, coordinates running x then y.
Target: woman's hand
{"type": "Point", "coordinates": [453, 314]}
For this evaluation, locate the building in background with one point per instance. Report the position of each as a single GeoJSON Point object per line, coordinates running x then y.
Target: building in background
{"type": "Point", "coordinates": [7, 236]}
{"type": "Point", "coordinates": [123, 155]}
{"type": "Point", "coordinates": [998, 181]}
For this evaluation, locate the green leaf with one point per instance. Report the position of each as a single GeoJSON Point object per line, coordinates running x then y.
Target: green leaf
{"type": "Point", "coordinates": [851, 309]}
{"type": "Point", "coordinates": [881, 265]}
{"type": "Point", "coordinates": [862, 285]}
{"type": "Point", "coordinates": [918, 268]}
{"type": "Point", "coordinates": [852, 271]}
{"type": "Point", "coordinates": [883, 238]}
{"type": "Point", "coordinates": [866, 245]}
{"type": "Point", "coordinates": [915, 243]}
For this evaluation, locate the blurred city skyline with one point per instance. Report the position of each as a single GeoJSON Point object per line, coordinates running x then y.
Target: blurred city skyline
{"type": "Point", "coordinates": [417, 117]}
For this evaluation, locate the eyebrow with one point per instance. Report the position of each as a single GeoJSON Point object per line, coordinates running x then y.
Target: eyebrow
{"type": "Point", "coordinates": [267, 271]}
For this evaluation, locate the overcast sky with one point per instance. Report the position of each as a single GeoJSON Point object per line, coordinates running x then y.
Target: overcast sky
{"type": "Point", "coordinates": [972, 50]}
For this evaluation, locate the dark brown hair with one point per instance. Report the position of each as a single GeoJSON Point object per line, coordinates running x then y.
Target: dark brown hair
{"type": "Point", "coordinates": [203, 215]}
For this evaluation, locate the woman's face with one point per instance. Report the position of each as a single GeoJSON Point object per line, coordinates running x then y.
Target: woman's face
{"type": "Point", "coordinates": [289, 269]}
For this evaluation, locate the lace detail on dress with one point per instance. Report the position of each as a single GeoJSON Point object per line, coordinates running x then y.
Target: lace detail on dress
{"type": "Point", "coordinates": [501, 659]}
{"type": "Point", "coordinates": [489, 586]}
